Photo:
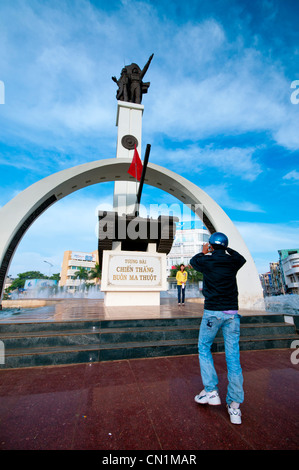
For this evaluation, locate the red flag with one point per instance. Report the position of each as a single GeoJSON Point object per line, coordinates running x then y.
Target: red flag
{"type": "Point", "coordinates": [135, 168]}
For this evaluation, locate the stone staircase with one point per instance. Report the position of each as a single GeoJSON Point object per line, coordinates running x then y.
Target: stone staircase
{"type": "Point", "coordinates": [56, 343]}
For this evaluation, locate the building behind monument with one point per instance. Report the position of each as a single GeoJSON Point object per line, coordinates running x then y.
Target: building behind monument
{"type": "Point", "coordinates": [283, 276]}
{"type": "Point", "coordinates": [187, 242]}
{"type": "Point", "coordinates": [72, 261]}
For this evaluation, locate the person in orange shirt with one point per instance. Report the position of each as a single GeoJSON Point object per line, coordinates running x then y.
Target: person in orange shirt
{"type": "Point", "coordinates": [181, 277]}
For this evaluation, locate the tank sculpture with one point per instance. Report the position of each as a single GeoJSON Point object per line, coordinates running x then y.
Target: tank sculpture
{"type": "Point", "coordinates": [134, 233]}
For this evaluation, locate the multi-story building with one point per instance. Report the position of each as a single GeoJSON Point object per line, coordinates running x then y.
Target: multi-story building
{"type": "Point", "coordinates": [289, 266]}
{"type": "Point", "coordinates": [266, 281]}
{"type": "Point", "coordinates": [72, 260]}
{"type": "Point", "coordinates": [186, 244]}
{"type": "Point", "coordinates": [276, 279]}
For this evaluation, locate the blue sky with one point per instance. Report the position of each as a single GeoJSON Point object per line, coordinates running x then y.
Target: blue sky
{"type": "Point", "coordinates": [219, 110]}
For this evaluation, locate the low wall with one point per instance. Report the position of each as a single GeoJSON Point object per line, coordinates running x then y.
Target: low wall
{"type": "Point", "coordinates": [28, 303]}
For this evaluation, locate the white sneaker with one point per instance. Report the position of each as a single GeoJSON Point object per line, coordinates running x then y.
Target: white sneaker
{"type": "Point", "coordinates": [212, 398]}
{"type": "Point", "coordinates": [234, 414]}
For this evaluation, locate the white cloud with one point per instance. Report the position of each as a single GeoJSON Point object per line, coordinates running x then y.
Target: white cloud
{"type": "Point", "coordinates": [33, 261]}
{"type": "Point", "coordinates": [70, 224]}
{"type": "Point", "coordinates": [202, 83]}
{"type": "Point", "coordinates": [61, 87]}
{"type": "Point", "coordinates": [234, 161]}
{"type": "Point", "coordinates": [220, 193]}
{"type": "Point", "coordinates": [234, 95]}
{"type": "Point", "coordinates": [264, 240]}
{"type": "Point", "coordinates": [292, 176]}
{"type": "Point", "coordinates": [24, 162]}
{"type": "Point", "coordinates": [263, 237]}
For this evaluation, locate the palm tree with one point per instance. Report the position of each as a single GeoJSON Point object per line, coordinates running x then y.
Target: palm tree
{"type": "Point", "coordinates": [81, 274]}
{"type": "Point", "coordinates": [96, 273]}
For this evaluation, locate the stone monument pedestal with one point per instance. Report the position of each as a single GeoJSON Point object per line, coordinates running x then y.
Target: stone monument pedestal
{"type": "Point", "coordinates": [131, 299]}
{"type": "Point", "coordinates": [133, 278]}
{"type": "Point", "coordinates": [129, 123]}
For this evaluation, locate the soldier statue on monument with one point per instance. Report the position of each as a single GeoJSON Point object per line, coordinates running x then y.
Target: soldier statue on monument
{"type": "Point", "coordinates": [130, 84]}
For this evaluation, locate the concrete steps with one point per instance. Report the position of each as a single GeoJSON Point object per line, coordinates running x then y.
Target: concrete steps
{"type": "Point", "coordinates": [54, 343]}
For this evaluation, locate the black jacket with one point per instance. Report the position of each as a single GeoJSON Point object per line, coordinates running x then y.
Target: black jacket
{"type": "Point", "coordinates": [219, 278]}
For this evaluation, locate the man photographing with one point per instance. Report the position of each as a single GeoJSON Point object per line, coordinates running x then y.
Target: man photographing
{"type": "Point", "coordinates": [219, 265]}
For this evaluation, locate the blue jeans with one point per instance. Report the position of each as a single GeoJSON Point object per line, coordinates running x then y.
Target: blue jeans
{"type": "Point", "coordinates": [181, 294]}
{"type": "Point", "coordinates": [230, 324]}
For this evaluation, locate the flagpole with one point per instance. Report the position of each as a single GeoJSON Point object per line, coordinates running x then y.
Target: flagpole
{"type": "Point", "coordinates": [145, 162]}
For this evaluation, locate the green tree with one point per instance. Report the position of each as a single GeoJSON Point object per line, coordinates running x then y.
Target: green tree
{"type": "Point", "coordinates": [81, 274]}
{"type": "Point", "coordinates": [96, 273]}
{"type": "Point", "coordinates": [19, 282]}
{"type": "Point", "coordinates": [193, 275]}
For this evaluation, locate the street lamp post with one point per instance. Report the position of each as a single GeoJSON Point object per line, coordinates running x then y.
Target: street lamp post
{"type": "Point", "coordinates": [50, 266]}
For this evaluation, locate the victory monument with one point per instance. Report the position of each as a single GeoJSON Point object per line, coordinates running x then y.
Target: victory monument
{"type": "Point", "coordinates": [132, 249]}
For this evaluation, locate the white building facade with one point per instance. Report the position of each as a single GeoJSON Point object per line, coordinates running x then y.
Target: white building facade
{"type": "Point", "coordinates": [72, 261]}
{"type": "Point", "coordinates": [289, 263]}
{"type": "Point", "coordinates": [186, 244]}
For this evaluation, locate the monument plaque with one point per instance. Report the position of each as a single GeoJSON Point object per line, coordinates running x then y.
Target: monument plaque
{"type": "Point", "coordinates": [133, 278]}
{"type": "Point", "coordinates": [130, 270]}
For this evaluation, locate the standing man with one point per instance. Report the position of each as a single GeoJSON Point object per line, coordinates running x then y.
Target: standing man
{"type": "Point", "coordinates": [219, 265]}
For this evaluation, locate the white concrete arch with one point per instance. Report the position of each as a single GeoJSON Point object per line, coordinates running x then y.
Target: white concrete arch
{"type": "Point", "coordinates": [18, 214]}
